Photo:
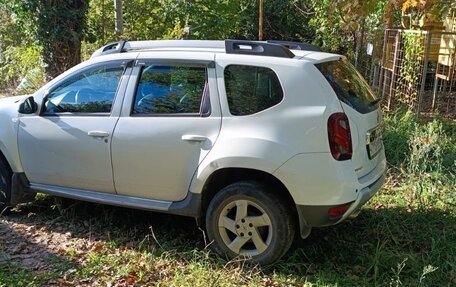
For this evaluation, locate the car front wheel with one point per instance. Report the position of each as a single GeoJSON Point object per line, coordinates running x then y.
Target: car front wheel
{"type": "Point", "coordinates": [248, 219]}
{"type": "Point", "coordinates": [5, 187]}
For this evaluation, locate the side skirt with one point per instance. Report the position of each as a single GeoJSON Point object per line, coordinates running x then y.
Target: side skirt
{"type": "Point", "coordinates": [190, 206]}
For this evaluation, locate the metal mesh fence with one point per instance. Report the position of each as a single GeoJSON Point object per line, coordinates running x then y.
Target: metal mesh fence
{"type": "Point", "coordinates": [413, 68]}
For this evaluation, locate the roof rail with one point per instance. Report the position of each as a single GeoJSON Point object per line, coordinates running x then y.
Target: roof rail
{"type": "Point", "coordinates": [124, 46]}
{"type": "Point", "coordinates": [296, 45]}
{"type": "Point", "coordinates": [246, 47]}
{"type": "Point", "coordinates": [257, 48]}
{"type": "Point", "coordinates": [111, 48]}
{"type": "Point", "coordinates": [154, 44]}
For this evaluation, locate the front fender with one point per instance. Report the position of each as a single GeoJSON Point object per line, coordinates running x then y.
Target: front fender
{"type": "Point", "coordinates": [9, 123]}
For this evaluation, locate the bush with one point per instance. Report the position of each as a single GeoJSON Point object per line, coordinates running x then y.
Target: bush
{"type": "Point", "coordinates": [424, 151]}
{"type": "Point", "coordinates": [20, 63]}
{"type": "Point", "coordinates": [419, 145]}
{"type": "Point", "coordinates": [398, 129]}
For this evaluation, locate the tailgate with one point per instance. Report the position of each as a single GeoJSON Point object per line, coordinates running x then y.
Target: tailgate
{"type": "Point", "coordinates": [366, 138]}
{"type": "Point", "coordinates": [361, 106]}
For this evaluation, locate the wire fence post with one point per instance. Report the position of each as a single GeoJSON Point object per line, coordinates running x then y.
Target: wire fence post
{"type": "Point", "coordinates": [380, 88]}
{"type": "Point", "coordinates": [395, 68]}
{"type": "Point", "coordinates": [427, 50]}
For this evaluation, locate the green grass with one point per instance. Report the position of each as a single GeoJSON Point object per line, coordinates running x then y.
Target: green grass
{"type": "Point", "coordinates": [389, 244]}
{"type": "Point", "coordinates": [405, 236]}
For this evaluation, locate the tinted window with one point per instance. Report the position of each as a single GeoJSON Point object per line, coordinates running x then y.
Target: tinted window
{"type": "Point", "coordinates": [171, 90]}
{"type": "Point", "coordinates": [349, 85]}
{"type": "Point", "coordinates": [89, 92]}
{"type": "Point", "coordinates": [251, 89]}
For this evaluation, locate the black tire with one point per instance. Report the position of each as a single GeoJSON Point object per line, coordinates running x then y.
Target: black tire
{"type": "Point", "coordinates": [244, 212]}
{"type": "Point", "coordinates": [5, 187]}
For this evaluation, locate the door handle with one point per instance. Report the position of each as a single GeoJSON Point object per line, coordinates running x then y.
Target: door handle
{"type": "Point", "coordinates": [194, 138]}
{"type": "Point", "coordinates": [98, 134]}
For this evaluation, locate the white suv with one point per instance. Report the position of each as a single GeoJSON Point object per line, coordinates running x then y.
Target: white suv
{"type": "Point", "coordinates": [260, 139]}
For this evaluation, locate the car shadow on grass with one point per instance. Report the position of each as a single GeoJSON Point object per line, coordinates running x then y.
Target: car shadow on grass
{"type": "Point", "coordinates": [26, 257]}
{"type": "Point", "coordinates": [54, 235]}
{"type": "Point", "coordinates": [382, 247]}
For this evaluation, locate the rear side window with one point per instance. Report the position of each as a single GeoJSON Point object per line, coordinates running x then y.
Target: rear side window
{"type": "Point", "coordinates": [349, 85]}
{"type": "Point", "coordinates": [251, 89]}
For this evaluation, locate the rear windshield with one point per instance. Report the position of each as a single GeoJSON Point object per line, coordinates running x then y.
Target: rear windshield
{"type": "Point", "coordinates": [349, 85]}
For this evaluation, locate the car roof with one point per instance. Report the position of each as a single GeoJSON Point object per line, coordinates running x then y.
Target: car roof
{"type": "Point", "coordinates": [291, 50]}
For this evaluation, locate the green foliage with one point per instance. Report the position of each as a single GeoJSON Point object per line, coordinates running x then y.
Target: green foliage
{"type": "Point", "coordinates": [204, 19]}
{"type": "Point", "coordinates": [138, 27]}
{"type": "Point", "coordinates": [399, 128]}
{"type": "Point", "coordinates": [426, 144]}
{"type": "Point", "coordinates": [18, 55]}
{"type": "Point", "coordinates": [425, 168]}
{"type": "Point", "coordinates": [425, 155]}
{"type": "Point", "coordinates": [100, 22]}
{"type": "Point", "coordinates": [283, 20]}
{"type": "Point", "coordinates": [22, 62]}
{"type": "Point", "coordinates": [56, 26]}
{"type": "Point", "coordinates": [340, 25]}
{"type": "Point", "coordinates": [420, 146]}
{"type": "Point", "coordinates": [10, 35]}
{"type": "Point", "coordinates": [409, 73]}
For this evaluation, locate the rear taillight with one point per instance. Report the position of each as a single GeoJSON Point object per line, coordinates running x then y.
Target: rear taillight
{"type": "Point", "coordinates": [338, 211]}
{"type": "Point", "coordinates": [339, 136]}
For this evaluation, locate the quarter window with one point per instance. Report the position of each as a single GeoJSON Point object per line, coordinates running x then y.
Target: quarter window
{"type": "Point", "coordinates": [251, 89]}
{"type": "Point", "coordinates": [349, 85]}
{"type": "Point", "coordinates": [172, 90]}
{"type": "Point", "coordinates": [92, 91]}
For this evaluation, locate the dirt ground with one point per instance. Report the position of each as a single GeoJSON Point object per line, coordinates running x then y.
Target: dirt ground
{"type": "Point", "coordinates": [36, 244]}
{"type": "Point", "coordinates": [31, 246]}
{"type": "Point", "coordinates": [61, 242]}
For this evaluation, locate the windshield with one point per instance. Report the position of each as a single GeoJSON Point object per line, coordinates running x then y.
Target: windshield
{"type": "Point", "coordinates": [349, 85]}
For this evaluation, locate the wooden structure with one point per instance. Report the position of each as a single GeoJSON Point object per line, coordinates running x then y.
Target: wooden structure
{"type": "Point", "coordinates": [445, 77]}
{"type": "Point", "coordinates": [435, 79]}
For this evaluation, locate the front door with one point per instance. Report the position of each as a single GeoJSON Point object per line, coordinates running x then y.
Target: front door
{"type": "Point", "coordinates": [170, 127]}
{"type": "Point", "coordinates": [68, 144]}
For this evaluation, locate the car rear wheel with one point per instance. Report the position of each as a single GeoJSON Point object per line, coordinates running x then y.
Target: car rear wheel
{"type": "Point", "coordinates": [250, 220]}
{"type": "Point", "coordinates": [5, 187]}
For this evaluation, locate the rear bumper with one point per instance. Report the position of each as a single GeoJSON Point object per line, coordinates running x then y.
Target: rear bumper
{"type": "Point", "coordinates": [364, 195]}
{"type": "Point", "coordinates": [317, 216]}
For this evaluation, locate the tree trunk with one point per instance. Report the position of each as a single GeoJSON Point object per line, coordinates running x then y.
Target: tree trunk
{"type": "Point", "coordinates": [360, 43]}
{"type": "Point", "coordinates": [61, 46]}
{"type": "Point", "coordinates": [119, 18]}
{"type": "Point", "coordinates": [260, 20]}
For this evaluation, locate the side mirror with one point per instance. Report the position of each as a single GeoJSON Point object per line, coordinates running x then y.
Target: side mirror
{"type": "Point", "coordinates": [28, 106]}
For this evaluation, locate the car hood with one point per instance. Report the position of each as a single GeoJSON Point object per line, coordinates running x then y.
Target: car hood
{"type": "Point", "coordinates": [9, 106]}
{"type": "Point", "coordinates": [9, 100]}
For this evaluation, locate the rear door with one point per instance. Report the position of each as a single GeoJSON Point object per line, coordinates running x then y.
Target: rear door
{"type": "Point", "coordinates": [361, 106]}
{"type": "Point", "coordinates": [170, 122]}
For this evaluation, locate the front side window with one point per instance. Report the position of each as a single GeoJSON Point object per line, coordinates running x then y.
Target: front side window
{"type": "Point", "coordinates": [251, 89]}
{"type": "Point", "coordinates": [176, 89]}
{"type": "Point", "coordinates": [92, 91]}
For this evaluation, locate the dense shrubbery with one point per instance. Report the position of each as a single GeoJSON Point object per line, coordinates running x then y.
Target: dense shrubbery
{"type": "Point", "coordinates": [22, 63]}
{"type": "Point", "coordinates": [423, 154]}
